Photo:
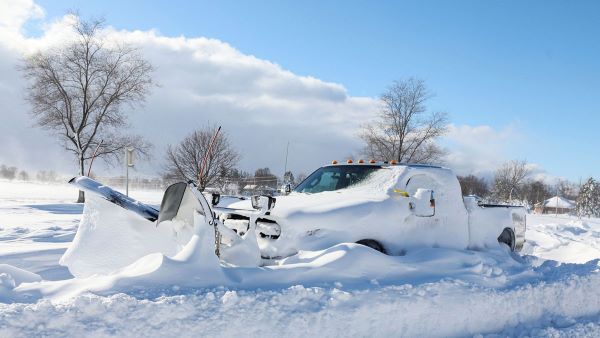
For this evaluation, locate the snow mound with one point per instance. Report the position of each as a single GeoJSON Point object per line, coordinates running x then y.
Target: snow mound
{"type": "Point", "coordinates": [563, 238]}
{"type": "Point", "coordinates": [196, 266]}
{"type": "Point", "coordinates": [11, 277]}
{"type": "Point", "coordinates": [97, 250]}
{"type": "Point", "coordinates": [442, 309]}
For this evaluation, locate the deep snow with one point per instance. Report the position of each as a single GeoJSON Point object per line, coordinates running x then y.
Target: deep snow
{"type": "Point", "coordinates": [346, 290]}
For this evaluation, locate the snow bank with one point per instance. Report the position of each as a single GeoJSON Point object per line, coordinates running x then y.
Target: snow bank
{"type": "Point", "coordinates": [563, 238]}
{"type": "Point", "coordinates": [36, 191]}
{"type": "Point", "coordinates": [441, 309]}
{"type": "Point", "coordinates": [196, 266]}
{"type": "Point", "coordinates": [110, 238]}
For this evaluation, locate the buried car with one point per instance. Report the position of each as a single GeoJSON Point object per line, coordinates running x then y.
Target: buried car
{"type": "Point", "coordinates": [389, 207]}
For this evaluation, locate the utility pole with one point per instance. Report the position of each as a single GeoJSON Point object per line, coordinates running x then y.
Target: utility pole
{"type": "Point", "coordinates": [287, 149]}
{"type": "Point", "coordinates": [128, 163]}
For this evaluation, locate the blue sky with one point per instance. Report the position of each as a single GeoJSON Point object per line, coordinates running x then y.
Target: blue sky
{"type": "Point", "coordinates": [533, 66]}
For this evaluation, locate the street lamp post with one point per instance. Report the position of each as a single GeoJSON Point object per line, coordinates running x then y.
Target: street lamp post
{"type": "Point", "coordinates": [128, 163]}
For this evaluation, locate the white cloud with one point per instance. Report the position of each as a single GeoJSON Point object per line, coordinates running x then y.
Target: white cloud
{"type": "Point", "coordinates": [480, 150]}
{"type": "Point", "coordinates": [260, 105]}
{"type": "Point", "coordinates": [537, 172]}
{"type": "Point", "coordinates": [14, 14]}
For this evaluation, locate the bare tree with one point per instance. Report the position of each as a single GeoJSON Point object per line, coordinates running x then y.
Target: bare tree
{"type": "Point", "coordinates": [184, 161]}
{"type": "Point", "coordinates": [23, 175]}
{"type": "Point", "coordinates": [264, 177]}
{"type": "Point", "coordinates": [566, 189]}
{"type": "Point", "coordinates": [301, 177]}
{"type": "Point", "coordinates": [509, 180]}
{"type": "Point", "coordinates": [405, 131]}
{"type": "Point", "coordinates": [535, 191]}
{"type": "Point", "coordinates": [78, 93]}
{"type": "Point", "coordinates": [8, 172]}
{"type": "Point", "coordinates": [46, 176]}
{"type": "Point", "coordinates": [473, 185]}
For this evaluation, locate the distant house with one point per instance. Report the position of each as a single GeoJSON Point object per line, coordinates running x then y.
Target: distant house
{"type": "Point", "coordinates": [249, 189]}
{"type": "Point", "coordinates": [555, 205]}
{"type": "Point", "coordinates": [254, 189]}
{"type": "Point", "coordinates": [538, 208]}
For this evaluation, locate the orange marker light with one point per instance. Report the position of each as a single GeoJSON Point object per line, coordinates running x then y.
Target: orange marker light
{"type": "Point", "coordinates": [361, 161]}
{"type": "Point", "coordinates": [371, 161]}
{"type": "Point", "coordinates": [393, 162]}
{"type": "Point", "coordinates": [334, 162]}
{"type": "Point", "coordinates": [350, 161]}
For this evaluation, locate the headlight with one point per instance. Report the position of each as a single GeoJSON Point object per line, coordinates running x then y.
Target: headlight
{"type": "Point", "coordinates": [267, 228]}
{"type": "Point", "coordinates": [239, 224]}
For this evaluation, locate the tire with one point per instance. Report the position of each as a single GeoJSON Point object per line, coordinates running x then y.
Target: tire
{"type": "Point", "coordinates": [373, 244]}
{"type": "Point", "coordinates": [508, 237]}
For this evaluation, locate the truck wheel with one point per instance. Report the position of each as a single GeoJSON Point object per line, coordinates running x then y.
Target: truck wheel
{"type": "Point", "coordinates": [508, 237]}
{"type": "Point", "coordinates": [373, 244]}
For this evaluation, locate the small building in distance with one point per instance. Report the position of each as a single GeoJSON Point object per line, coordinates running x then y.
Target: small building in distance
{"type": "Point", "coordinates": [555, 205]}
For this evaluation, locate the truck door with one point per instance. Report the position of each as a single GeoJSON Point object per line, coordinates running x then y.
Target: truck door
{"type": "Point", "coordinates": [421, 190]}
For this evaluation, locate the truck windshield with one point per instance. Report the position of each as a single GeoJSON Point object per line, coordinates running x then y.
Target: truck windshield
{"type": "Point", "coordinates": [335, 178]}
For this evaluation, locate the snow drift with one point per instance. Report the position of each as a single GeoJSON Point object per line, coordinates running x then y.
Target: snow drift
{"type": "Point", "coordinates": [11, 277]}
{"type": "Point", "coordinates": [110, 238]}
{"type": "Point", "coordinates": [345, 288]}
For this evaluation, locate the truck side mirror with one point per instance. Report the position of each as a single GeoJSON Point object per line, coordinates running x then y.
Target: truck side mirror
{"type": "Point", "coordinates": [216, 197]}
{"type": "Point", "coordinates": [264, 203]}
{"type": "Point", "coordinates": [288, 189]}
{"type": "Point", "coordinates": [422, 204]}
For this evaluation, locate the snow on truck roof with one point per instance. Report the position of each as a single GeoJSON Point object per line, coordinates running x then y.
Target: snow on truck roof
{"type": "Point", "coordinates": [382, 164]}
{"type": "Point", "coordinates": [381, 180]}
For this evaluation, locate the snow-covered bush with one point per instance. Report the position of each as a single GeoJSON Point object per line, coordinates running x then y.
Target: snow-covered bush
{"type": "Point", "coordinates": [588, 201]}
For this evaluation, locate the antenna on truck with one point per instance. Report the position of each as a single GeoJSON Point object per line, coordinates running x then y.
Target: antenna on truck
{"type": "Point", "coordinates": [204, 164]}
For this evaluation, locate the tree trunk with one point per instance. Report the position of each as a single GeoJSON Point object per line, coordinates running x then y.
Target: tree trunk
{"type": "Point", "coordinates": [399, 152]}
{"type": "Point", "coordinates": [81, 197]}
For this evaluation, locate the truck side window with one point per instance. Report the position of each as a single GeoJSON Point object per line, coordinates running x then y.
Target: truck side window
{"type": "Point", "coordinates": [419, 182]}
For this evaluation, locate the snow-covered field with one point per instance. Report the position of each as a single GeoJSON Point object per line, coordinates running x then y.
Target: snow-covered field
{"type": "Point", "coordinates": [551, 289]}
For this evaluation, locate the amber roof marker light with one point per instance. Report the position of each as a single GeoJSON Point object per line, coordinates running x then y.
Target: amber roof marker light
{"type": "Point", "coordinates": [350, 161]}
{"type": "Point", "coordinates": [361, 161]}
{"type": "Point", "coordinates": [372, 161]}
{"type": "Point", "coordinates": [334, 162]}
{"type": "Point", "coordinates": [393, 162]}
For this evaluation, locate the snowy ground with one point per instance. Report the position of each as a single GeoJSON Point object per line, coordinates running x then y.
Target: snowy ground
{"type": "Point", "coordinates": [551, 289]}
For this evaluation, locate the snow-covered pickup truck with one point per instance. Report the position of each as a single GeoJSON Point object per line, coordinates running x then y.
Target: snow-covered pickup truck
{"type": "Point", "coordinates": [391, 208]}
